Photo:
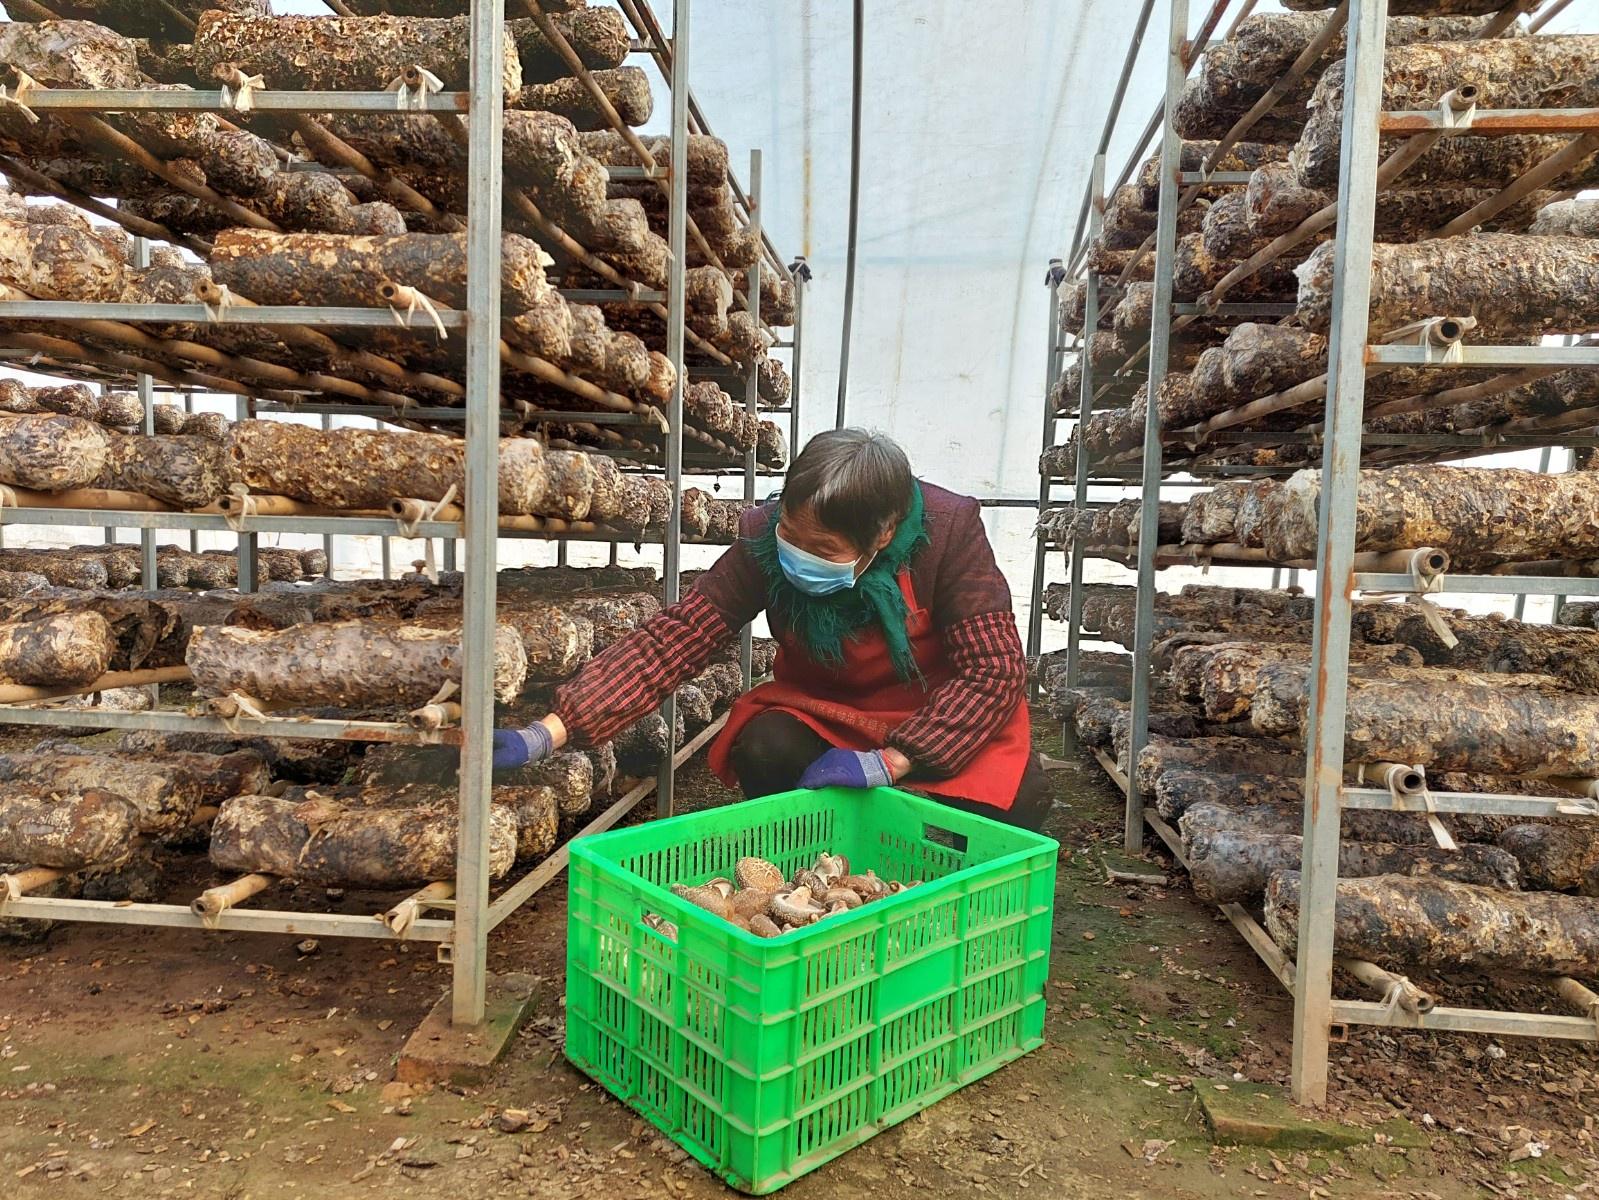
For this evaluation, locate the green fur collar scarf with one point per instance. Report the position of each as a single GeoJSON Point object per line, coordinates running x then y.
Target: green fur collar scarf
{"type": "Point", "coordinates": [822, 623]}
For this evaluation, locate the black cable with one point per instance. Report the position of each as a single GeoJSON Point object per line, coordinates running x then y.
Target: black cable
{"type": "Point", "coordinates": [854, 214]}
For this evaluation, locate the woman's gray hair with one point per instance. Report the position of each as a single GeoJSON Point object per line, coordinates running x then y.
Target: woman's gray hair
{"type": "Point", "coordinates": [854, 482]}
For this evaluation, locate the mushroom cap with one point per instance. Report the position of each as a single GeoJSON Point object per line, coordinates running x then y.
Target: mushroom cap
{"type": "Point", "coordinates": [708, 898]}
{"type": "Point", "coordinates": [759, 874]}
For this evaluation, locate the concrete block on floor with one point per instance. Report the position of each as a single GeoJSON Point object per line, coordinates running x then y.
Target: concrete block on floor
{"type": "Point", "coordinates": [442, 1052]}
{"type": "Point", "coordinates": [1252, 1114]}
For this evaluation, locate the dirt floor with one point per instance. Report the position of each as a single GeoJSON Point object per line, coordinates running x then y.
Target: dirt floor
{"type": "Point", "coordinates": [150, 1063]}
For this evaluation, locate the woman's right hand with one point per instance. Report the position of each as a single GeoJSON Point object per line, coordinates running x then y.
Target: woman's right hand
{"type": "Point", "coordinates": [522, 747]}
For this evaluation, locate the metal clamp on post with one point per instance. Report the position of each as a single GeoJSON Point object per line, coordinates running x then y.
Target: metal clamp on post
{"type": "Point", "coordinates": [409, 527]}
{"type": "Point", "coordinates": [1457, 108]}
{"type": "Point", "coordinates": [1441, 338]}
{"type": "Point", "coordinates": [17, 97]}
{"type": "Point", "coordinates": [224, 301]}
{"type": "Point", "coordinates": [398, 294]}
{"type": "Point", "coordinates": [239, 89]}
{"type": "Point", "coordinates": [413, 87]}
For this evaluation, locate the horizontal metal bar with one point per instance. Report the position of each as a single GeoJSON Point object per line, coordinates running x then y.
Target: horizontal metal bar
{"type": "Point", "coordinates": [237, 920]}
{"type": "Point", "coordinates": [1492, 121]}
{"type": "Point", "coordinates": [1484, 585]}
{"type": "Point", "coordinates": [1402, 355]}
{"type": "Point", "coordinates": [123, 518]}
{"type": "Point", "coordinates": [172, 721]}
{"type": "Point", "coordinates": [261, 100]}
{"type": "Point", "coordinates": [1467, 1020]}
{"type": "Point", "coordinates": [1215, 177]}
{"type": "Point", "coordinates": [637, 172]}
{"type": "Point", "coordinates": [613, 296]}
{"type": "Point", "coordinates": [200, 314]}
{"type": "Point", "coordinates": [1489, 803]}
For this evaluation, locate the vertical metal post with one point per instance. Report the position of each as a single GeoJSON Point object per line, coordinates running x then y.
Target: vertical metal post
{"type": "Point", "coordinates": [1335, 551]}
{"type": "Point", "coordinates": [677, 242]}
{"type": "Point", "coordinates": [483, 249]}
{"type": "Point", "coordinates": [450, 554]}
{"type": "Point", "coordinates": [146, 385]}
{"type": "Point", "coordinates": [1085, 409]}
{"type": "Point", "coordinates": [249, 576]}
{"type": "Point", "coordinates": [386, 557]}
{"type": "Point", "coordinates": [852, 240]}
{"type": "Point", "coordinates": [327, 538]}
{"type": "Point", "coordinates": [194, 534]}
{"type": "Point", "coordinates": [561, 553]}
{"type": "Point", "coordinates": [1159, 354]}
{"type": "Point", "coordinates": [1046, 482]}
{"type": "Point", "coordinates": [1519, 611]}
{"type": "Point", "coordinates": [752, 389]}
{"type": "Point", "coordinates": [794, 366]}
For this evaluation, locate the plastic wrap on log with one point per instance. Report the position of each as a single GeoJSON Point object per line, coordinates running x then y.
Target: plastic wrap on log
{"type": "Point", "coordinates": [1177, 790]}
{"type": "Point", "coordinates": [1529, 72]}
{"type": "Point", "coordinates": [1224, 677]}
{"type": "Point", "coordinates": [1237, 72]}
{"type": "Point", "coordinates": [1197, 271]}
{"type": "Point", "coordinates": [556, 642]}
{"type": "Point", "coordinates": [1278, 202]}
{"type": "Point", "coordinates": [343, 53]}
{"type": "Point", "coordinates": [1216, 756]}
{"type": "Point", "coordinates": [1514, 284]}
{"type": "Point", "coordinates": [1256, 360]}
{"type": "Point", "coordinates": [344, 664]}
{"type": "Point", "coordinates": [299, 760]}
{"type": "Point", "coordinates": [50, 453]}
{"type": "Point", "coordinates": [1567, 218]}
{"type": "Point", "coordinates": [1282, 819]}
{"type": "Point", "coordinates": [186, 472]}
{"type": "Point", "coordinates": [366, 468]}
{"type": "Point", "coordinates": [164, 795]}
{"type": "Point", "coordinates": [1245, 156]}
{"type": "Point", "coordinates": [1480, 516]}
{"type": "Point", "coordinates": [1478, 725]}
{"type": "Point", "coordinates": [1231, 866]}
{"type": "Point", "coordinates": [343, 270]}
{"type": "Point", "coordinates": [627, 88]}
{"type": "Point", "coordinates": [60, 568]}
{"type": "Point", "coordinates": [1426, 922]}
{"type": "Point", "coordinates": [45, 828]}
{"type": "Point", "coordinates": [598, 35]}
{"type": "Point", "coordinates": [66, 649]}
{"type": "Point", "coordinates": [321, 843]}
{"type": "Point", "coordinates": [1554, 855]}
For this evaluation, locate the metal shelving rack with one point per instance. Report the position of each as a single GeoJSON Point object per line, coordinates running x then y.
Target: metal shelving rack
{"type": "Point", "coordinates": [1339, 574]}
{"type": "Point", "coordinates": [462, 939]}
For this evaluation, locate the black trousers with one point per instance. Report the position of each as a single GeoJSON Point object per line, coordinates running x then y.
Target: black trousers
{"type": "Point", "coordinates": [772, 751]}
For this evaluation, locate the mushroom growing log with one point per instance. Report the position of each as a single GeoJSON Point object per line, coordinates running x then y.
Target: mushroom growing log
{"type": "Point", "coordinates": [45, 828]}
{"type": "Point", "coordinates": [1433, 923]}
{"type": "Point", "coordinates": [344, 664]}
{"type": "Point", "coordinates": [66, 649]}
{"type": "Point", "coordinates": [1474, 722]}
{"type": "Point", "coordinates": [627, 88]}
{"type": "Point", "coordinates": [1216, 756]}
{"type": "Point", "coordinates": [186, 472]}
{"type": "Point", "coordinates": [317, 53]}
{"type": "Point", "coordinates": [50, 453]}
{"type": "Point", "coordinates": [344, 270]}
{"type": "Point", "coordinates": [322, 843]}
{"type": "Point", "coordinates": [1177, 790]}
{"type": "Point", "coordinates": [1515, 285]}
{"type": "Point", "coordinates": [1555, 856]}
{"type": "Point", "coordinates": [366, 468]}
{"type": "Point", "coordinates": [58, 262]}
{"type": "Point", "coordinates": [1479, 516]}
{"type": "Point", "coordinates": [1366, 825]}
{"type": "Point", "coordinates": [1524, 72]}
{"type": "Point", "coordinates": [164, 795]}
{"type": "Point", "coordinates": [1230, 866]}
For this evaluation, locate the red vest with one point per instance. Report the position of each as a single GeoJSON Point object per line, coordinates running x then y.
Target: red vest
{"type": "Point", "coordinates": [857, 703]}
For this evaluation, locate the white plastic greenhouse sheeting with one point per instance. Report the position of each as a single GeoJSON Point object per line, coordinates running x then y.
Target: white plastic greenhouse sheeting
{"type": "Point", "coordinates": [978, 129]}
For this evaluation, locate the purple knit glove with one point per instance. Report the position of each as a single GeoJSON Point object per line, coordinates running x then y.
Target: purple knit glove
{"type": "Point", "coordinates": [848, 769]}
{"type": "Point", "coordinates": [518, 747]}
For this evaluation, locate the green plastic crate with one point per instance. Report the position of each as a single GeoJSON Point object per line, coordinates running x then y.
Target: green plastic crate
{"type": "Point", "coordinates": [765, 1058]}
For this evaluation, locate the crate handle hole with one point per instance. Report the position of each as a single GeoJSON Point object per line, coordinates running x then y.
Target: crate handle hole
{"type": "Point", "coordinates": [945, 837]}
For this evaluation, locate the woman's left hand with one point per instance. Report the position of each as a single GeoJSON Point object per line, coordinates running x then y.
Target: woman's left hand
{"type": "Point", "coordinates": [850, 769]}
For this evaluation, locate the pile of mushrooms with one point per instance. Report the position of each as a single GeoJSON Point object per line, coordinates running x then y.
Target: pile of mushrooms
{"type": "Point", "coordinates": [758, 899]}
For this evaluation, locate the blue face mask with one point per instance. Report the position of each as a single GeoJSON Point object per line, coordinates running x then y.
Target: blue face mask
{"type": "Point", "coordinates": [812, 574]}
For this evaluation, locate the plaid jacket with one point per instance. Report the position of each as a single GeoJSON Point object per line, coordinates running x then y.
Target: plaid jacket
{"type": "Point", "coordinates": [955, 577]}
